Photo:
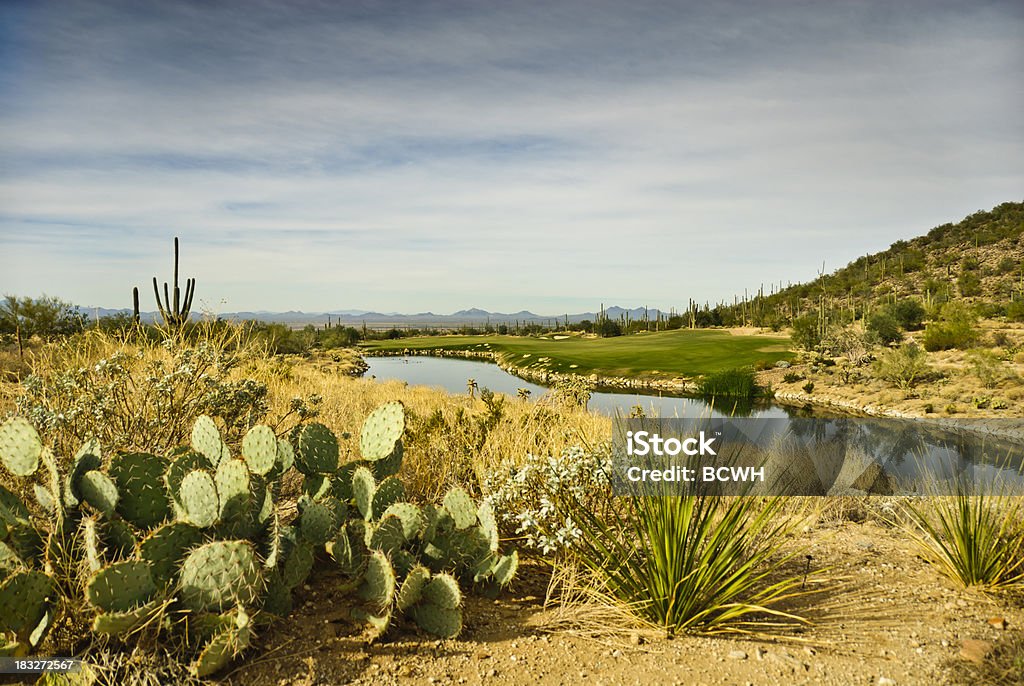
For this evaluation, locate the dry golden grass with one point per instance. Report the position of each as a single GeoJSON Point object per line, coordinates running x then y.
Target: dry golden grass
{"type": "Point", "coordinates": [450, 438]}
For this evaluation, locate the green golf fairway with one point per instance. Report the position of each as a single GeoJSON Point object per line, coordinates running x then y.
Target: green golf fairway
{"type": "Point", "coordinates": [667, 354]}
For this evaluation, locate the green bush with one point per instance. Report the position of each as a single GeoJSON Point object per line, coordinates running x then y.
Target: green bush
{"type": "Point", "coordinates": [806, 333]}
{"type": "Point", "coordinates": [956, 328]}
{"type": "Point", "coordinates": [884, 327]}
{"type": "Point", "coordinates": [903, 366]}
{"type": "Point", "coordinates": [909, 313]}
{"type": "Point", "coordinates": [969, 284]}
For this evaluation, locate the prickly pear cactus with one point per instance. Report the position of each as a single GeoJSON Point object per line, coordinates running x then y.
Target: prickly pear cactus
{"type": "Point", "coordinates": [318, 450]}
{"type": "Point", "coordinates": [220, 575]}
{"type": "Point", "coordinates": [20, 447]}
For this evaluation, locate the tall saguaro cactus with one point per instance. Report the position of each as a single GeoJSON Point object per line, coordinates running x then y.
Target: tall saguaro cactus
{"type": "Point", "coordinates": [176, 311]}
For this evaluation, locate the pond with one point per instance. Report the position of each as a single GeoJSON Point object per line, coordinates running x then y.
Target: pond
{"type": "Point", "coordinates": [893, 443]}
{"type": "Point", "coordinates": [452, 374]}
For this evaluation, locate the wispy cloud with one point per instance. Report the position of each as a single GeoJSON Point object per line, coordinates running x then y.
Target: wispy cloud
{"type": "Point", "coordinates": [412, 156]}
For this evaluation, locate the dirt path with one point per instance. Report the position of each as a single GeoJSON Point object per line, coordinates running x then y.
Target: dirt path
{"type": "Point", "coordinates": [898, 622]}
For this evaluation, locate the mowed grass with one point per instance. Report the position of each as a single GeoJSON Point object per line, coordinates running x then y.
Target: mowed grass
{"type": "Point", "coordinates": [666, 354]}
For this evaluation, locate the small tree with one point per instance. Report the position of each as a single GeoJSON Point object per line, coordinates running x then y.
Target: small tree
{"type": "Point", "coordinates": [903, 366]}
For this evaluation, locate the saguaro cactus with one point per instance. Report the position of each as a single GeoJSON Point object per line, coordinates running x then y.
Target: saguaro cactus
{"type": "Point", "coordinates": [176, 311]}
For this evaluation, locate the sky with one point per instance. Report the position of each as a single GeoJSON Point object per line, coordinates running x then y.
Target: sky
{"type": "Point", "coordinates": [550, 156]}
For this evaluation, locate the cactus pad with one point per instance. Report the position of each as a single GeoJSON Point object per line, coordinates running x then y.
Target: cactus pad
{"type": "Point", "coordinates": [488, 525]}
{"type": "Point", "coordinates": [278, 598]}
{"type": "Point", "coordinates": [45, 498]}
{"type": "Point", "coordinates": [122, 623]}
{"type": "Point", "coordinates": [318, 450]}
{"type": "Point", "coordinates": [121, 587]}
{"type": "Point", "coordinates": [412, 588]}
{"type": "Point", "coordinates": [317, 486]}
{"type": "Point", "coordinates": [118, 538]}
{"type": "Point", "coordinates": [443, 590]}
{"type": "Point", "coordinates": [87, 458]}
{"type": "Point", "coordinates": [389, 491]}
{"type": "Point", "coordinates": [389, 466]}
{"type": "Point", "coordinates": [166, 547]}
{"type": "Point", "coordinates": [413, 521]}
{"type": "Point", "coordinates": [316, 521]}
{"type": "Point", "coordinates": [285, 457]}
{"type": "Point", "coordinates": [25, 601]}
{"type": "Point", "coordinates": [99, 491]}
{"type": "Point", "coordinates": [506, 568]}
{"type": "Point", "coordinates": [461, 508]}
{"type": "Point", "coordinates": [297, 564]}
{"type": "Point", "coordinates": [220, 574]}
{"type": "Point", "coordinates": [378, 587]}
{"type": "Point", "coordinates": [198, 496]}
{"type": "Point", "coordinates": [232, 479]}
{"type": "Point", "coordinates": [387, 536]}
{"type": "Point", "coordinates": [139, 479]}
{"type": "Point", "coordinates": [221, 649]}
{"type": "Point", "coordinates": [20, 446]}
{"type": "Point", "coordinates": [382, 430]}
{"type": "Point", "coordinates": [438, 621]}
{"type": "Point", "coordinates": [207, 441]}
{"type": "Point", "coordinates": [181, 465]}
{"type": "Point", "coordinates": [363, 490]}
{"type": "Point", "coordinates": [259, 448]}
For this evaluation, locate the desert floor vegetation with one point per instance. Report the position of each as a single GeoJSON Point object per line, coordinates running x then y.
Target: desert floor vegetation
{"type": "Point", "coordinates": [621, 590]}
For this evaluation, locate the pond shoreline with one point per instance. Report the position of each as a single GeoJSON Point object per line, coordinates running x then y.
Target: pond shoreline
{"type": "Point", "coordinates": [685, 388]}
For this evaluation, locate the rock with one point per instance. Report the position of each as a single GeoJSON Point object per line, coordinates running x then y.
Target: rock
{"type": "Point", "coordinates": [737, 655]}
{"type": "Point", "coordinates": [885, 681]}
{"type": "Point", "coordinates": [975, 650]}
{"type": "Point", "coordinates": [635, 638]}
{"type": "Point", "coordinates": [782, 364]}
{"type": "Point", "coordinates": [997, 622]}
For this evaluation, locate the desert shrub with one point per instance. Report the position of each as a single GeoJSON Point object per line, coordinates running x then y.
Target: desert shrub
{"type": "Point", "coordinates": [850, 343]}
{"type": "Point", "coordinates": [808, 387]}
{"type": "Point", "coordinates": [1015, 310]}
{"type": "Point", "coordinates": [909, 314]}
{"type": "Point", "coordinates": [572, 390]}
{"type": "Point", "coordinates": [969, 284]}
{"type": "Point", "coordinates": [1006, 265]}
{"type": "Point", "coordinates": [791, 377]}
{"type": "Point", "coordinates": [525, 496]}
{"type": "Point", "coordinates": [956, 328]}
{"type": "Point", "coordinates": [987, 366]}
{"type": "Point", "coordinates": [903, 366]}
{"type": "Point", "coordinates": [884, 327]}
{"type": "Point", "coordinates": [806, 333]}
{"type": "Point", "coordinates": [732, 383]}
{"type": "Point", "coordinates": [976, 540]}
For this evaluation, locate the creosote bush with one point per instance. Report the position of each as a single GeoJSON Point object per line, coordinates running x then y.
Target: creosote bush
{"type": "Point", "coordinates": [903, 366]}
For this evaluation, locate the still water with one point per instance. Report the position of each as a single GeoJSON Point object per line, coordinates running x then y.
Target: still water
{"type": "Point", "coordinates": [451, 374]}
{"type": "Point", "coordinates": [936, 450]}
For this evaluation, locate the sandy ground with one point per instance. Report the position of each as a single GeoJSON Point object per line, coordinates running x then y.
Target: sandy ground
{"type": "Point", "coordinates": [892, 619]}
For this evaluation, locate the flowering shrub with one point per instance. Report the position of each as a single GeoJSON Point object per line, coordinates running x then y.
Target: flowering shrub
{"type": "Point", "coordinates": [527, 496]}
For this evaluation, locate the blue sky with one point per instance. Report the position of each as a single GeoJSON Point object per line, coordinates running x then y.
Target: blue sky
{"type": "Point", "coordinates": [406, 156]}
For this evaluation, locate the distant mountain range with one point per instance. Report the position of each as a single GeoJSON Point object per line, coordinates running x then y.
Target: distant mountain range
{"type": "Point", "coordinates": [472, 316]}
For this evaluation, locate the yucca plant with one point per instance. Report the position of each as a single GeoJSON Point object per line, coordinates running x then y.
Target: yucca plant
{"type": "Point", "coordinates": [976, 540]}
{"type": "Point", "coordinates": [693, 562]}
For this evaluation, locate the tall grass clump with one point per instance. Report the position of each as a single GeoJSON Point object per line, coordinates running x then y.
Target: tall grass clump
{"type": "Point", "coordinates": [692, 562]}
{"type": "Point", "coordinates": [732, 383]}
{"type": "Point", "coordinates": [976, 540]}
